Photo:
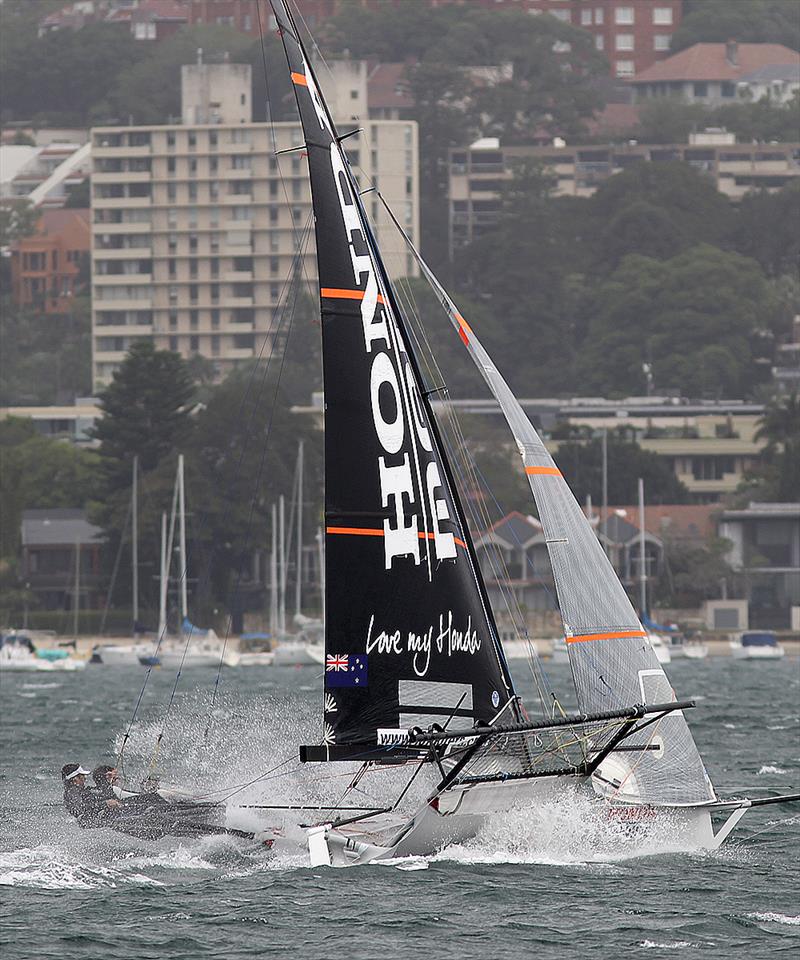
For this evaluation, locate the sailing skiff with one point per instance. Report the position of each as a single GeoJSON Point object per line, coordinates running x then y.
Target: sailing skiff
{"type": "Point", "coordinates": [415, 674]}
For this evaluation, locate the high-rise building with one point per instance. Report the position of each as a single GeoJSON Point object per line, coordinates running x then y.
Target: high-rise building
{"type": "Point", "coordinates": [197, 226]}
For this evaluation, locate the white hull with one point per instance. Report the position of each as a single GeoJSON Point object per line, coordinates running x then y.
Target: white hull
{"type": "Point", "coordinates": [688, 651]}
{"type": "Point", "coordinates": [738, 652]}
{"type": "Point", "coordinates": [173, 659]}
{"type": "Point", "coordinates": [119, 655]}
{"type": "Point", "coordinates": [519, 649]}
{"type": "Point", "coordinates": [34, 664]}
{"type": "Point", "coordinates": [294, 654]}
{"type": "Point", "coordinates": [256, 659]}
{"type": "Point", "coordinates": [460, 813]}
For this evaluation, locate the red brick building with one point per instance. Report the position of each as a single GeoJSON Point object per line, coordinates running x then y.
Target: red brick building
{"type": "Point", "coordinates": [46, 267]}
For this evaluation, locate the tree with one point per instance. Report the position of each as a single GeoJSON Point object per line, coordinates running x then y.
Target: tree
{"type": "Point", "coordinates": [581, 462]}
{"type": "Point", "coordinates": [693, 572]}
{"type": "Point", "coordinates": [241, 458]}
{"type": "Point", "coordinates": [765, 229]}
{"type": "Point", "coordinates": [668, 207]}
{"type": "Point", "coordinates": [17, 221]}
{"type": "Point", "coordinates": [749, 21]}
{"type": "Point", "coordinates": [38, 472]}
{"type": "Point", "coordinates": [693, 318]}
{"type": "Point", "coordinates": [777, 476]}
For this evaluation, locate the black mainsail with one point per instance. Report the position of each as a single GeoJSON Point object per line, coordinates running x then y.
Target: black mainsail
{"type": "Point", "coordinates": [409, 633]}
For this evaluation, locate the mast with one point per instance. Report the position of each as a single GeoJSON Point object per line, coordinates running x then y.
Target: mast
{"type": "Point", "coordinates": [605, 489]}
{"type": "Point", "coordinates": [182, 538]}
{"type": "Point", "coordinates": [298, 587]}
{"type": "Point", "coordinates": [77, 604]}
{"type": "Point", "coordinates": [282, 559]}
{"type": "Point", "coordinates": [162, 583]}
{"type": "Point", "coordinates": [642, 564]}
{"type": "Point", "coordinates": [273, 577]}
{"type": "Point", "coordinates": [135, 540]}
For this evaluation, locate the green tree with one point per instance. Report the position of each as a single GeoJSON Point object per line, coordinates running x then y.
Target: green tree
{"type": "Point", "coordinates": [581, 462]}
{"type": "Point", "coordinates": [693, 572]}
{"type": "Point", "coordinates": [656, 209]}
{"type": "Point", "coordinates": [240, 460]}
{"type": "Point", "coordinates": [38, 472]}
{"type": "Point", "coordinates": [17, 220]}
{"type": "Point", "coordinates": [693, 318]}
{"type": "Point", "coordinates": [749, 21]}
{"type": "Point", "coordinates": [765, 229]}
{"type": "Point", "coordinates": [777, 476]}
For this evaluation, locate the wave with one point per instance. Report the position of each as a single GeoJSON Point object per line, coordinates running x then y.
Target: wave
{"type": "Point", "coordinates": [573, 830]}
{"type": "Point", "coordinates": [768, 768]}
{"type": "Point", "coordinates": [775, 918]}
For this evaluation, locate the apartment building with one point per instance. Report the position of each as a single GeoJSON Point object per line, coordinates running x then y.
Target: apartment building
{"type": "Point", "coordinates": [197, 226]}
{"type": "Point", "coordinates": [50, 267]}
{"type": "Point", "coordinates": [478, 171]}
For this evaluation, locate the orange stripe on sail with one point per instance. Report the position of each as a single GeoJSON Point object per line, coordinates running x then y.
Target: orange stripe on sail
{"type": "Point", "coordinates": [464, 329]}
{"type": "Point", "coordinates": [372, 532]}
{"type": "Point", "coordinates": [355, 531]}
{"type": "Point", "coordinates": [543, 471]}
{"type": "Point", "coordinates": [619, 635]}
{"type": "Point", "coordinates": [331, 293]}
{"type": "Point", "coordinates": [300, 79]}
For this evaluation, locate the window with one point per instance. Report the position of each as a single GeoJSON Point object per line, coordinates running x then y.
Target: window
{"type": "Point", "coordinates": [598, 42]}
{"type": "Point", "coordinates": [273, 214]}
{"type": "Point", "coordinates": [240, 162]}
{"type": "Point", "coordinates": [215, 346]}
{"type": "Point", "coordinates": [700, 89]}
{"type": "Point", "coordinates": [661, 41]}
{"type": "Point", "coordinates": [193, 192]}
{"type": "Point", "coordinates": [194, 343]}
{"type": "Point", "coordinates": [213, 243]}
{"type": "Point", "coordinates": [192, 216]}
{"type": "Point", "coordinates": [586, 18]}
{"type": "Point", "coordinates": [172, 192]}
{"type": "Point", "coordinates": [354, 94]}
{"type": "Point", "coordinates": [243, 341]}
{"type": "Point", "coordinates": [213, 190]}
{"type": "Point", "coordinates": [192, 140]}
{"type": "Point", "coordinates": [193, 319]}
{"type": "Point", "coordinates": [213, 216]}
{"type": "Point", "coordinates": [214, 292]}
{"type": "Point", "coordinates": [215, 318]}
{"type": "Point", "coordinates": [173, 318]}
{"type": "Point", "coordinates": [624, 68]}
{"type": "Point", "coordinates": [623, 41]}
{"type": "Point", "coordinates": [214, 267]}
{"type": "Point", "coordinates": [598, 16]}
{"type": "Point", "coordinates": [564, 15]}
{"type": "Point", "coordinates": [727, 89]}
{"type": "Point", "coordinates": [171, 140]}
{"type": "Point", "coordinates": [173, 294]}
{"type": "Point", "coordinates": [172, 243]}
{"type": "Point", "coordinates": [192, 243]}
{"type": "Point", "coordinates": [240, 136]}
{"type": "Point", "coordinates": [241, 213]}
{"type": "Point", "coordinates": [193, 269]}
{"type": "Point", "coordinates": [662, 16]}
{"type": "Point", "coordinates": [172, 270]}
{"type": "Point", "coordinates": [623, 15]}
{"type": "Point", "coordinates": [171, 165]}
{"type": "Point", "coordinates": [193, 292]}
{"type": "Point", "coordinates": [213, 164]}
{"type": "Point", "coordinates": [173, 344]}
{"type": "Point", "coordinates": [213, 139]}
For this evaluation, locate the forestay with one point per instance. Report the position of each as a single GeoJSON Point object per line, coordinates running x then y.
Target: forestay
{"type": "Point", "coordinates": [612, 661]}
{"type": "Point", "coordinates": [410, 638]}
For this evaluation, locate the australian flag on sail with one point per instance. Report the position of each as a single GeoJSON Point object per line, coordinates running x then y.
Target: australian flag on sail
{"type": "Point", "coordinates": [346, 670]}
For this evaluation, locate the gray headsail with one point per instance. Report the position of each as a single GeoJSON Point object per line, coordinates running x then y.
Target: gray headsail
{"type": "Point", "coordinates": [613, 663]}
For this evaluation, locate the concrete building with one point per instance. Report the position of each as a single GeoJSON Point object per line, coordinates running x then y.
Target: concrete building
{"type": "Point", "coordinates": [196, 226]}
{"type": "Point", "coordinates": [766, 556]}
{"type": "Point", "coordinates": [710, 73]}
{"type": "Point", "coordinates": [42, 174]}
{"type": "Point", "coordinates": [53, 542]}
{"type": "Point", "coordinates": [51, 267]}
{"type": "Point", "coordinates": [478, 171]}
{"type": "Point", "coordinates": [62, 422]}
{"type": "Point", "coordinates": [709, 445]}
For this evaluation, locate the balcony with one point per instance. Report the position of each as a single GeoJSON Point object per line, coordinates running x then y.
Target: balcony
{"type": "Point", "coordinates": [122, 253]}
{"type": "Point", "coordinates": [238, 276]}
{"type": "Point", "coordinates": [120, 203]}
{"type": "Point", "coordinates": [231, 301]}
{"type": "Point", "coordinates": [121, 279]}
{"type": "Point", "coordinates": [122, 176]}
{"type": "Point", "coordinates": [99, 228]}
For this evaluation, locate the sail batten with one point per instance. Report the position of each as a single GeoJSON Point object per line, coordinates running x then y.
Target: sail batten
{"type": "Point", "coordinates": [404, 601]}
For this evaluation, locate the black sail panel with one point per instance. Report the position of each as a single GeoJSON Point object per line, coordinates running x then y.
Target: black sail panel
{"type": "Point", "coordinates": [410, 638]}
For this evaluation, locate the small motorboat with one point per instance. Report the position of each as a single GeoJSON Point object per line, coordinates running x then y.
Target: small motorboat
{"type": "Point", "coordinates": [19, 653]}
{"type": "Point", "coordinates": [757, 645]}
{"type": "Point", "coordinates": [122, 654]}
{"type": "Point", "coordinates": [682, 649]}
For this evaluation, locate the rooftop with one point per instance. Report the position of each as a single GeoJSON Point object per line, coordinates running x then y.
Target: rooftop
{"type": "Point", "coordinates": [718, 61]}
{"type": "Point", "coordinates": [58, 526]}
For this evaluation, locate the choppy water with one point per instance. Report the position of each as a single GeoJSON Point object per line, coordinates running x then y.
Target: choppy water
{"type": "Point", "coordinates": [555, 883]}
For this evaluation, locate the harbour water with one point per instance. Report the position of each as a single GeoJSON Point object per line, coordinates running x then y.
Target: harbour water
{"type": "Point", "coordinates": [556, 883]}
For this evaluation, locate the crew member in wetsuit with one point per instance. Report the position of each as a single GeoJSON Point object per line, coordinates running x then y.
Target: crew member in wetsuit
{"type": "Point", "coordinates": [89, 809]}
